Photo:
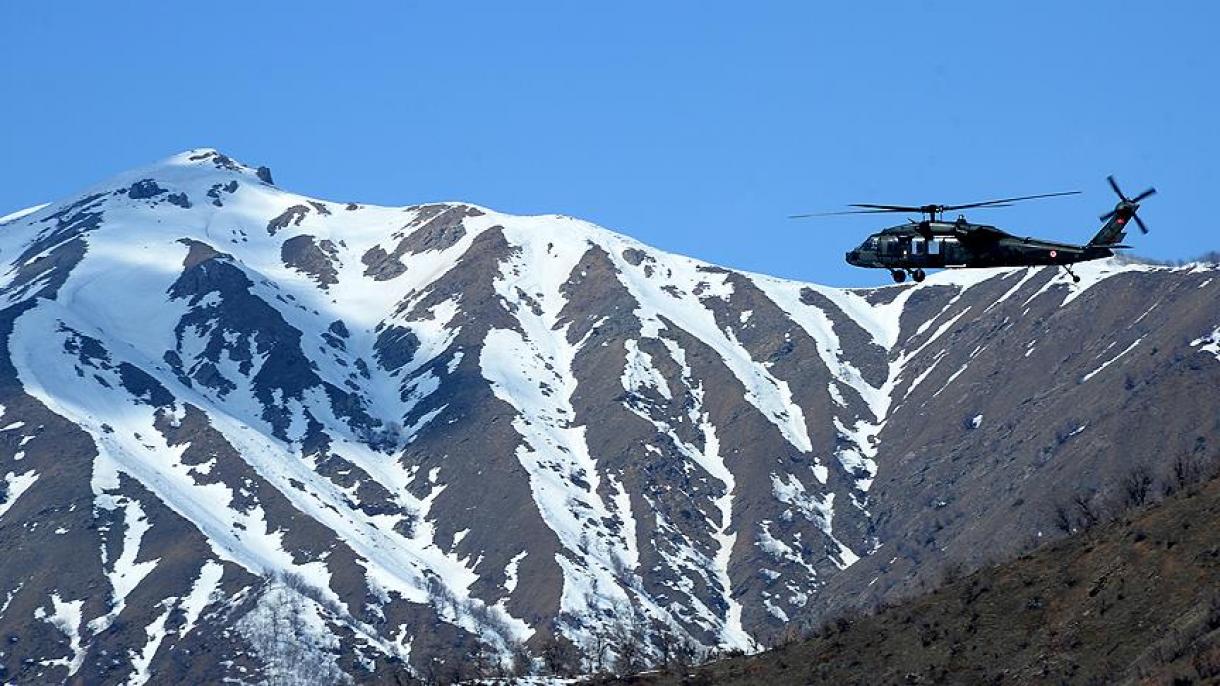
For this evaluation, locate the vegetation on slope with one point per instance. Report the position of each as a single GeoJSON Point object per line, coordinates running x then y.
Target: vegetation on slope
{"type": "Point", "coordinates": [1134, 598]}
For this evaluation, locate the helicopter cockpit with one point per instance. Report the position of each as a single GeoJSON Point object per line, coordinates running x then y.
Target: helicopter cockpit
{"type": "Point", "coordinates": [867, 253]}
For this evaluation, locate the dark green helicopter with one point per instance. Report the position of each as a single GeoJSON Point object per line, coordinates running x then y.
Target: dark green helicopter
{"type": "Point", "coordinates": [932, 243]}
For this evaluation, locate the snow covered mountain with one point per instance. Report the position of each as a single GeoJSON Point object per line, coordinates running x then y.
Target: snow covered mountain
{"type": "Point", "coordinates": [252, 435]}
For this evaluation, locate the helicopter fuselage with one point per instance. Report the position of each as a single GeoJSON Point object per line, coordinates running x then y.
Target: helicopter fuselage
{"type": "Point", "coordinates": [940, 244]}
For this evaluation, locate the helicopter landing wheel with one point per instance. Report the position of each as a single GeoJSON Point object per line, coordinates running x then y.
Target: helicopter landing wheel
{"type": "Point", "coordinates": [918, 275]}
{"type": "Point", "coordinates": [899, 275]}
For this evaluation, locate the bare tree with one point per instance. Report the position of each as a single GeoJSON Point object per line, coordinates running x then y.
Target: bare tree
{"type": "Point", "coordinates": [281, 636]}
{"type": "Point", "coordinates": [1186, 471]}
{"type": "Point", "coordinates": [666, 643]}
{"type": "Point", "coordinates": [484, 663]}
{"type": "Point", "coordinates": [686, 654]}
{"type": "Point", "coordinates": [523, 662]}
{"type": "Point", "coordinates": [1063, 518]}
{"type": "Point", "coordinates": [597, 648]}
{"type": "Point", "coordinates": [559, 656]}
{"type": "Point", "coordinates": [1084, 507]}
{"type": "Point", "coordinates": [1137, 485]}
{"type": "Point", "coordinates": [628, 649]}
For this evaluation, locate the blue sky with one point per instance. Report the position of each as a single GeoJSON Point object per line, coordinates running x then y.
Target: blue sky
{"type": "Point", "coordinates": [693, 126]}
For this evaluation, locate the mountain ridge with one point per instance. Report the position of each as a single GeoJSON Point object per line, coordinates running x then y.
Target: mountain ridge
{"type": "Point", "coordinates": [434, 431]}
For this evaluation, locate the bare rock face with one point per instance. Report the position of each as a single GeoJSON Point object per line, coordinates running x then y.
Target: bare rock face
{"type": "Point", "coordinates": [217, 191]}
{"type": "Point", "coordinates": [381, 265]}
{"type": "Point", "coordinates": [434, 442]}
{"type": "Point", "coordinates": [434, 228]}
{"type": "Point", "coordinates": [145, 188]}
{"type": "Point", "coordinates": [315, 258]}
{"type": "Point", "coordinates": [289, 217]}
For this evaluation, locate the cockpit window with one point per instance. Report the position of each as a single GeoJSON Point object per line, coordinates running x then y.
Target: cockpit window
{"type": "Point", "coordinates": [871, 243]}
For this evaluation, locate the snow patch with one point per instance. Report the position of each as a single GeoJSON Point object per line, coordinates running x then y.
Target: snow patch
{"type": "Point", "coordinates": [143, 660]}
{"type": "Point", "coordinates": [14, 485]}
{"type": "Point", "coordinates": [640, 374]}
{"type": "Point", "coordinates": [126, 574]}
{"type": "Point", "coordinates": [1209, 343]}
{"type": "Point", "coordinates": [206, 585]}
{"type": "Point", "coordinates": [65, 616]}
{"type": "Point", "coordinates": [510, 572]}
{"type": "Point", "coordinates": [14, 216]}
{"type": "Point", "coordinates": [1111, 361]}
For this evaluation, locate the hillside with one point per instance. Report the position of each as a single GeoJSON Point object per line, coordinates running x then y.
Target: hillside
{"type": "Point", "coordinates": [247, 434]}
{"type": "Point", "coordinates": [1133, 601]}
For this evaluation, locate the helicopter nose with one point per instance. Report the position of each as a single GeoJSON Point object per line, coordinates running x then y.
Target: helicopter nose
{"type": "Point", "coordinates": [852, 257]}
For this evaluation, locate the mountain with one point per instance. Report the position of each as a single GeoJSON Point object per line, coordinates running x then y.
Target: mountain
{"type": "Point", "coordinates": [252, 435]}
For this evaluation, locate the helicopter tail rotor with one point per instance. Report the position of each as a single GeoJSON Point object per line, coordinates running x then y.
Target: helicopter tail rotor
{"type": "Point", "coordinates": [1126, 208]}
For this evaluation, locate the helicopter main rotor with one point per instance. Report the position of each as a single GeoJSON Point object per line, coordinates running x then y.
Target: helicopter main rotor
{"type": "Point", "coordinates": [934, 212]}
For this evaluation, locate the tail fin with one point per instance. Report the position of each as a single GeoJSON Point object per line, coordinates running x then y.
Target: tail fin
{"type": "Point", "coordinates": [1113, 231]}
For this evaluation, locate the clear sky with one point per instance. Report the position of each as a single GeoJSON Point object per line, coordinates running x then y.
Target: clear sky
{"type": "Point", "coordinates": [693, 126]}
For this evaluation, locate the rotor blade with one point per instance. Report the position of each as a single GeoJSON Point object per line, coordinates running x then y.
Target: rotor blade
{"type": "Point", "coordinates": [888, 208]}
{"type": "Point", "coordinates": [1146, 194]}
{"type": "Point", "coordinates": [1114, 185]}
{"type": "Point", "coordinates": [835, 214]}
{"type": "Point", "coordinates": [1000, 201]}
{"type": "Point", "coordinates": [1106, 217]}
{"type": "Point", "coordinates": [1140, 222]}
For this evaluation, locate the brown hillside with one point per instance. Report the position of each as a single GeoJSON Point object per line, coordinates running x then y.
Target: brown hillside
{"type": "Point", "coordinates": [1134, 601]}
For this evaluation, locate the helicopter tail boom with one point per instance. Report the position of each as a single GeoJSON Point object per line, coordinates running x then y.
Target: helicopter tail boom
{"type": "Point", "coordinates": [1111, 234]}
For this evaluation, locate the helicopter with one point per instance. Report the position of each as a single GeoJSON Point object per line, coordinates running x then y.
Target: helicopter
{"type": "Point", "coordinates": [932, 242]}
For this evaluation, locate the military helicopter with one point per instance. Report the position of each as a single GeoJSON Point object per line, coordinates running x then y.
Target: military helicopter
{"type": "Point", "coordinates": [932, 242]}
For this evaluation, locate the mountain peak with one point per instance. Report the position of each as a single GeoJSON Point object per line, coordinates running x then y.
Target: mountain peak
{"type": "Point", "coordinates": [211, 158]}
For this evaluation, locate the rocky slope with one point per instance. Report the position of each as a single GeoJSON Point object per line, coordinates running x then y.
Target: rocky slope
{"type": "Point", "coordinates": [1136, 601]}
{"type": "Point", "coordinates": [248, 434]}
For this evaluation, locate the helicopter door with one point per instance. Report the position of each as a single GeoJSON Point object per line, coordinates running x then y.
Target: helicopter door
{"type": "Point", "coordinates": [919, 247]}
{"type": "Point", "coordinates": [952, 250]}
{"type": "Point", "coordinates": [934, 246]}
